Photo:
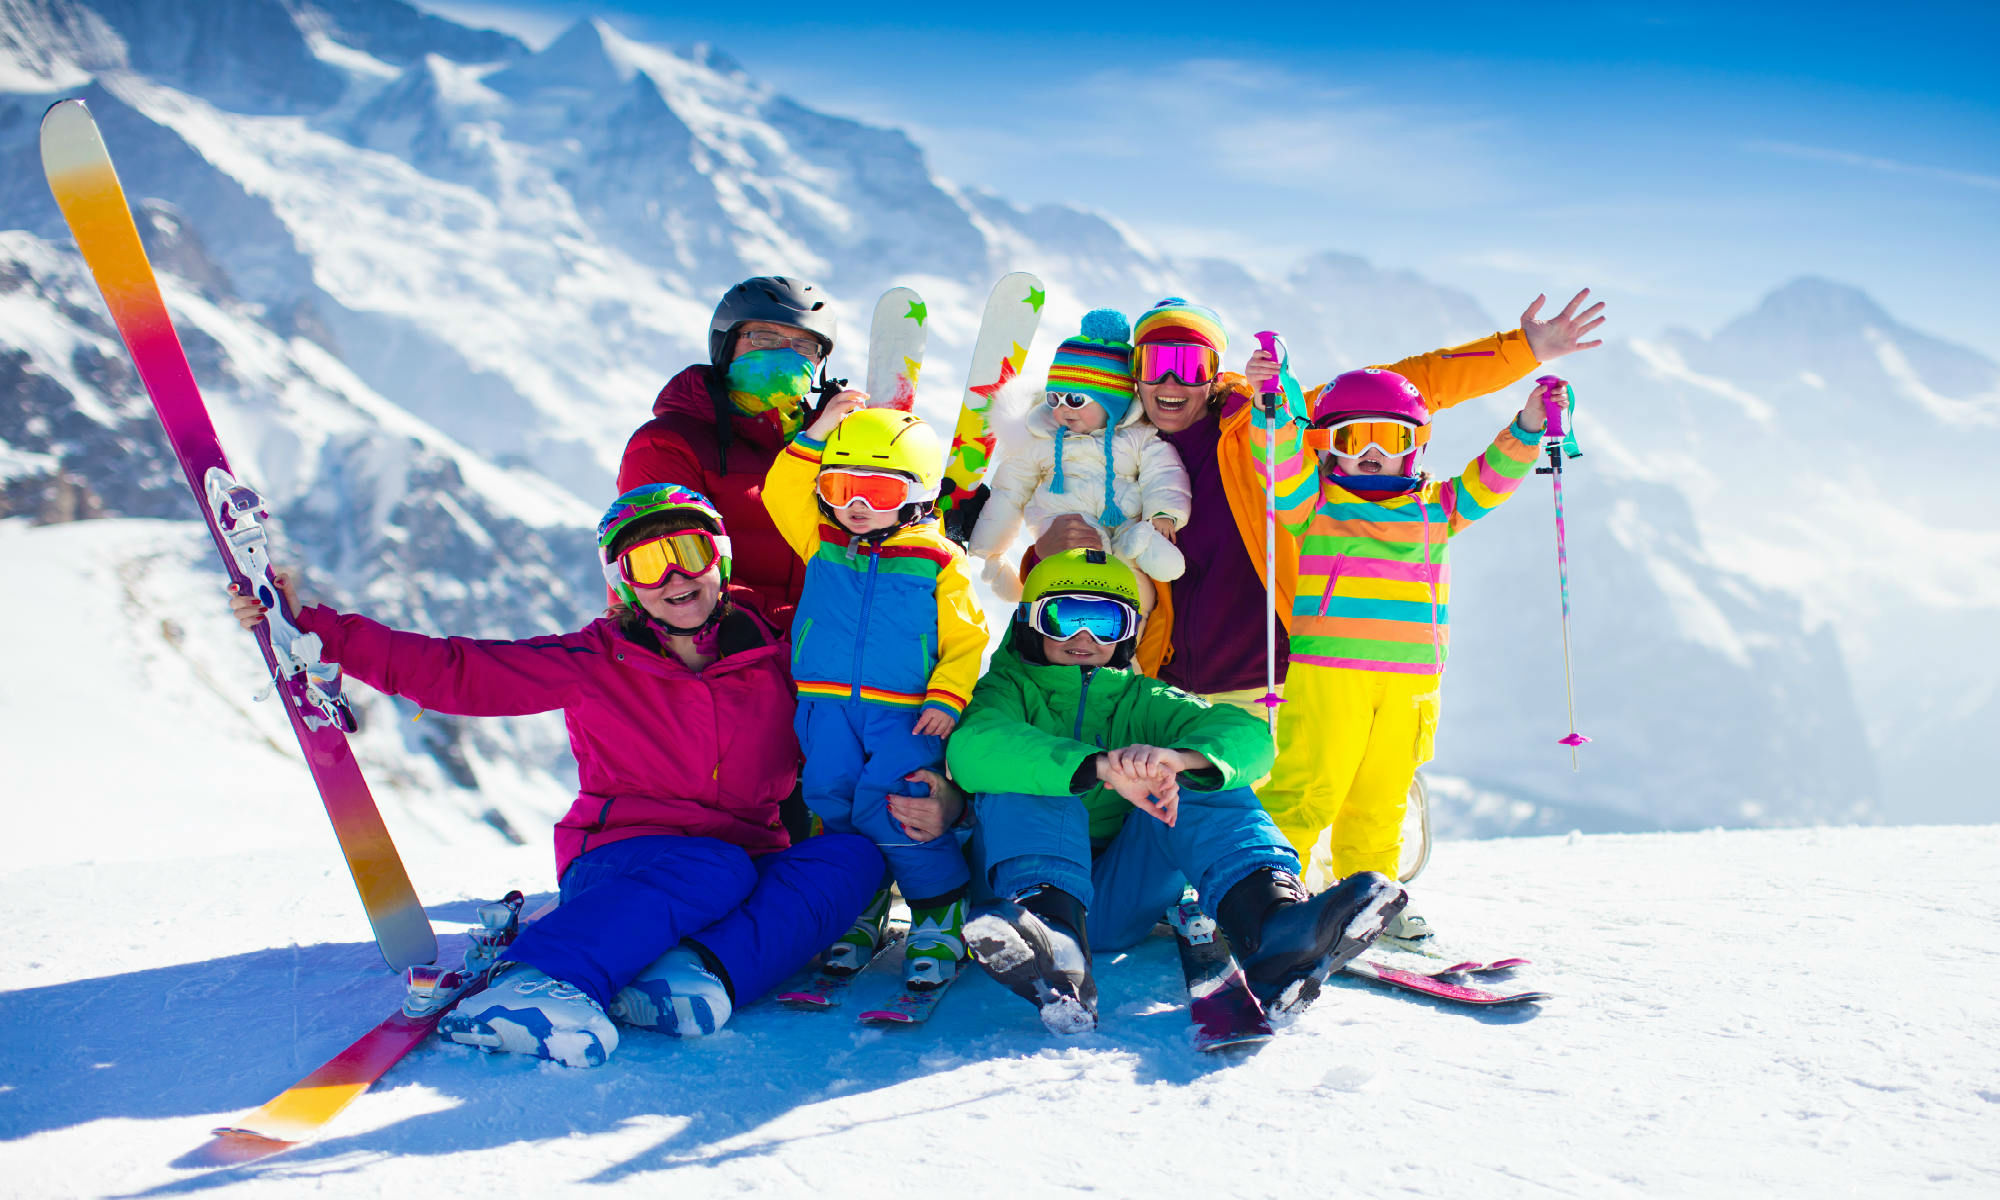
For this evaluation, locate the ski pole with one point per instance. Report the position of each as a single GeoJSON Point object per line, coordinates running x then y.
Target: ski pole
{"type": "Point", "coordinates": [1555, 395]}
{"type": "Point", "coordinates": [1270, 388]}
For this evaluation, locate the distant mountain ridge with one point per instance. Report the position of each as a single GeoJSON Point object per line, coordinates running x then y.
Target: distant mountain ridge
{"type": "Point", "coordinates": [432, 280]}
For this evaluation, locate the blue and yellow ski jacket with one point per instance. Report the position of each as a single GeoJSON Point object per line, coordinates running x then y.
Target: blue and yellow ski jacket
{"type": "Point", "coordinates": [890, 622]}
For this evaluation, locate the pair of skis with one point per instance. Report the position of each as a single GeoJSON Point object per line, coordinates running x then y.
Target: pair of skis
{"type": "Point", "coordinates": [895, 358]}
{"type": "Point", "coordinates": [1227, 1015]}
{"type": "Point", "coordinates": [93, 203]}
{"type": "Point", "coordinates": [820, 988]}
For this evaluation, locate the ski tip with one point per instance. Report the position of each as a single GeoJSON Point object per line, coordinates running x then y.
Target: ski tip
{"type": "Point", "coordinates": [886, 1017]}
{"type": "Point", "coordinates": [231, 1147]}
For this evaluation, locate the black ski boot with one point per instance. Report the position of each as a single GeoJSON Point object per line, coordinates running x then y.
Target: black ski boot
{"type": "Point", "coordinates": [1288, 940]}
{"type": "Point", "coordinates": [1037, 948]}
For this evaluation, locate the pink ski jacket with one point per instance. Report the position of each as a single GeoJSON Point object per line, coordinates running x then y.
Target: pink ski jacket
{"type": "Point", "coordinates": [659, 748]}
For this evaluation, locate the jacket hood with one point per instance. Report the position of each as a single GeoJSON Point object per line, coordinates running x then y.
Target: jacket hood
{"type": "Point", "coordinates": [686, 395]}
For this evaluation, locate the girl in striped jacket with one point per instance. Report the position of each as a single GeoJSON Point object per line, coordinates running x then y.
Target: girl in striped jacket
{"type": "Point", "coordinates": [1369, 626]}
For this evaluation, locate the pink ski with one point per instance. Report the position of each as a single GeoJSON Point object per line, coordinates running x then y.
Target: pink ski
{"type": "Point", "coordinates": [87, 191]}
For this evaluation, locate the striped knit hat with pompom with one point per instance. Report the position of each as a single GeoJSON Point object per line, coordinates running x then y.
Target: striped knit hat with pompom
{"type": "Point", "coordinates": [1176, 321]}
{"type": "Point", "coordinates": [1097, 362]}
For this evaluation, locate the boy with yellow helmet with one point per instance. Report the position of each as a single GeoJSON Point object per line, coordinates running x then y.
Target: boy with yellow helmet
{"type": "Point", "coordinates": [885, 649]}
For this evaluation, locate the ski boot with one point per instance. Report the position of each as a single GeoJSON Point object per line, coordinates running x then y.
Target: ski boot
{"type": "Point", "coordinates": [1036, 947]}
{"type": "Point", "coordinates": [523, 1011]}
{"type": "Point", "coordinates": [936, 944]}
{"type": "Point", "coordinates": [679, 995]}
{"type": "Point", "coordinates": [859, 944]}
{"type": "Point", "coordinates": [1288, 941]}
{"type": "Point", "coordinates": [1407, 926]}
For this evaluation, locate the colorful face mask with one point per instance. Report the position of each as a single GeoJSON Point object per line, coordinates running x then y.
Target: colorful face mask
{"type": "Point", "coordinates": [771, 381]}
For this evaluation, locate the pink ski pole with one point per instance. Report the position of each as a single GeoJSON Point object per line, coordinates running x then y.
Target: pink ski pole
{"type": "Point", "coordinates": [1555, 394]}
{"type": "Point", "coordinates": [1271, 387]}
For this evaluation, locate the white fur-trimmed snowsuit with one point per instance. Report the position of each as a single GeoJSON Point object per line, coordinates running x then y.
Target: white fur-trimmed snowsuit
{"type": "Point", "coordinates": [1147, 480]}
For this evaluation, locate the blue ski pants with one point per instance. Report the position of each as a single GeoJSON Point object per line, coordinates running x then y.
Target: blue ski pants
{"type": "Point", "coordinates": [1021, 841]}
{"type": "Point", "coordinates": [856, 757]}
{"type": "Point", "coordinates": [627, 903]}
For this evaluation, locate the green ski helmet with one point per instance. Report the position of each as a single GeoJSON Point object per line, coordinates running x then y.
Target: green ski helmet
{"type": "Point", "coordinates": [1076, 573]}
{"type": "Point", "coordinates": [653, 500]}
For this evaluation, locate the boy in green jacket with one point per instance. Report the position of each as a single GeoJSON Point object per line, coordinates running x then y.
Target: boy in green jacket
{"type": "Point", "coordinates": [1060, 743]}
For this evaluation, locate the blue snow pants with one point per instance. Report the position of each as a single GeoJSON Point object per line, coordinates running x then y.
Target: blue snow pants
{"type": "Point", "coordinates": [626, 903]}
{"type": "Point", "coordinates": [856, 757]}
{"type": "Point", "coordinates": [1021, 841]}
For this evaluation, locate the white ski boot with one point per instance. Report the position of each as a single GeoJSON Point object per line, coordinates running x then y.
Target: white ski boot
{"type": "Point", "coordinates": [678, 995]}
{"type": "Point", "coordinates": [1407, 926]}
{"type": "Point", "coordinates": [523, 1011]}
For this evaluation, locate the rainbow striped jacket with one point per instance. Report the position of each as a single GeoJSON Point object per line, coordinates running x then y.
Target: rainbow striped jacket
{"type": "Point", "coordinates": [891, 622]}
{"type": "Point", "coordinates": [1374, 586]}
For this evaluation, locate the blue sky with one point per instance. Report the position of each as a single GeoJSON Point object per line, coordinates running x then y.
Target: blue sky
{"type": "Point", "coordinates": [1683, 160]}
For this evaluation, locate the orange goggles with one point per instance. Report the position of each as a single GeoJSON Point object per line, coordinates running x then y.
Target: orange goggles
{"type": "Point", "coordinates": [878, 490]}
{"type": "Point", "coordinates": [648, 564]}
{"type": "Point", "coordinates": [1352, 438]}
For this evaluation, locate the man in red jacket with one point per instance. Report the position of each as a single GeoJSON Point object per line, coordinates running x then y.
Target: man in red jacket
{"type": "Point", "coordinates": [717, 428]}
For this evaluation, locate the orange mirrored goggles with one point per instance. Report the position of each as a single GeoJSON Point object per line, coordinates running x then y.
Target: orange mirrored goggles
{"type": "Point", "coordinates": [878, 490]}
{"type": "Point", "coordinates": [1352, 438]}
{"type": "Point", "coordinates": [648, 564]}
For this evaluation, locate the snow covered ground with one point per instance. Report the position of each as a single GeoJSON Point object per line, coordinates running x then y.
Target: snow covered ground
{"type": "Point", "coordinates": [1798, 1013]}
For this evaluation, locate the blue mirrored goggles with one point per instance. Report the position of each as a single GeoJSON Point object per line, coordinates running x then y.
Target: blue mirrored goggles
{"type": "Point", "coordinates": [1106, 620]}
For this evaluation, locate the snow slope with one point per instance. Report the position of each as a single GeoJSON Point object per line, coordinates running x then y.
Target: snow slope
{"type": "Point", "coordinates": [1744, 1013]}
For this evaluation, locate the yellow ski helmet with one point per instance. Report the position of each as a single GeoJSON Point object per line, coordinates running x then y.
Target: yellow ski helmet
{"type": "Point", "coordinates": [1082, 572]}
{"type": "Point", "coordinates": [886, 439]}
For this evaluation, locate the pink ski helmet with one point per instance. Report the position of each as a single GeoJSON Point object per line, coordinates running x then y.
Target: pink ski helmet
{"type": "Point", "coordinates": [1372, 392]}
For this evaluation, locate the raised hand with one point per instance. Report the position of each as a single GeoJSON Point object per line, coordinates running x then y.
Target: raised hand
{"type": "Point", "coordinates": [836, 408]}
{"type": "Point", "coordinates": [1563, 333]}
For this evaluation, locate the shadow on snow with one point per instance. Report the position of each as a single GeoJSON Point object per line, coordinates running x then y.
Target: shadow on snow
{"type": "Point", "coordinates": [213, 1039]}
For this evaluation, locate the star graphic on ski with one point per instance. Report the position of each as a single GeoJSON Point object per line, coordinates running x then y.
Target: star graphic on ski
{"type": "Point", "coordinates": [1036, 297]}
{"type": "Point", "coordinates": [1010, 366]}
{"type": "Point", "coordinates": [919, 311]}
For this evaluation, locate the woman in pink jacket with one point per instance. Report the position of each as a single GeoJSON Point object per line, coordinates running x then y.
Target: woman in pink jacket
{"type": "Point", "coordinates": [682, 896]}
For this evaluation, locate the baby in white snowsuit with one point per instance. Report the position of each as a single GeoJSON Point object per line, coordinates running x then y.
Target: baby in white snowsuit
{"type": "Point", "coordinates": [1086, 450]}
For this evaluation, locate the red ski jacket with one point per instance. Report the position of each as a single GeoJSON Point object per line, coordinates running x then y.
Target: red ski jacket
{"type": "Point", "coordinates": [659, 748]}
{"type": "Point", "coordinates": [680, 445]}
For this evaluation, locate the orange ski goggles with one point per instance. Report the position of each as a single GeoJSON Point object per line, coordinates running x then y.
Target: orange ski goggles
{"type": "Point", "coordinates": [648, 564]}
{"type": "Point", "coordinates": [878, 490]}
{"type": "Point", "coordinates": [1352, 438]}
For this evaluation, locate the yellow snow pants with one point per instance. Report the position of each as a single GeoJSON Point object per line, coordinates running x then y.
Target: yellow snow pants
{"type": "Point", "coordinates": [1349, 743]}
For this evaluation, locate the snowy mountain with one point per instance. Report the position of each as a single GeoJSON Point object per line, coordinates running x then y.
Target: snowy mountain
{"type": "Point", "coordinates": [431, 280]}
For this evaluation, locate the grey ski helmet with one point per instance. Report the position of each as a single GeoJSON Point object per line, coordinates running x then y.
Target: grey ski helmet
{"type": "Point", "coordinates": [769, 298]}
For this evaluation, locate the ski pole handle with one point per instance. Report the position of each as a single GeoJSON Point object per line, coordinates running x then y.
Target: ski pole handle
{"type": "Point", "coordinates": [1554, 391]}
{"type": "Point", "coordinates": [1269, 341]}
